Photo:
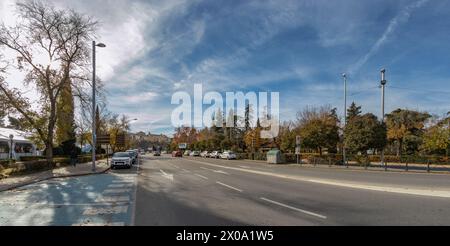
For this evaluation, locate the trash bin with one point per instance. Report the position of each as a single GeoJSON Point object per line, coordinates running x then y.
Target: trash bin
{"type": "Point", "coordinates": [274, 157]}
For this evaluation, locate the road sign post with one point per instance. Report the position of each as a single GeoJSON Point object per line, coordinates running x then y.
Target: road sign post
{"type": "Point", "coordinates": [105, 140]}
{"type": "Point", "coordinates": [298, 149]}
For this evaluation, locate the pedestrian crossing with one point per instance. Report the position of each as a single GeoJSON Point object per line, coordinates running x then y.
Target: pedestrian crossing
{"type": "Point", "coordinates": [96, 200]}
{"type": "Point", "coordinates": [119, 197]}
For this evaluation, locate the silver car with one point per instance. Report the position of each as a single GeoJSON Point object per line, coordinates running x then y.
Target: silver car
{"type": "Point", "coordinates": [121, 159]}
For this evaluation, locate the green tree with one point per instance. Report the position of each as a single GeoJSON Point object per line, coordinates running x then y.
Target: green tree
{"type": "Point", "coordinates": [65, 123]}
{"type": "Point", "coordinates": [436, 139]}
{"type": "Point", "coordinates": [17, 123]}
{"type": "Point", "coordinates": [406, 126]}
{"type": "Point", "coordinates": [364, 133]}
{"type": "Point", "coordinates": [319, 128]}
{"type": "Point", "coordinates": [286, 139]}
{"type": "Point", "coordinates": [353, 111]}
{"type": "Point", "coordinates": [63, 38]}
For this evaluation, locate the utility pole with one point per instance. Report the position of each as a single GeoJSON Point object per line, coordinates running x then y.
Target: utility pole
{"type": "Point", "coordinates": [344, 152]}
{"type": "Point", "coordinates": [383, 115]}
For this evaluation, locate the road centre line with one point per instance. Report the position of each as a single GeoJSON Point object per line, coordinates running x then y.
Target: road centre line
{"type": "Point", "coordinates": [215, 171]}
{"type": "Point", "coordinates": [201, 176]}
{"type": "Point", "coordinates": [229, 186]}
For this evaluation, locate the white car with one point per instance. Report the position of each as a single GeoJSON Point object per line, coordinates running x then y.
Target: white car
{"type": "Point", "coordinates": [215, 154]}
{"type": "Point", "coordinates": [228, 155]}
{"type": "Point", "coordinates": [122, 159]}
{"type": "Point", "coordinates": [204, 154]}
{"type": "Point", "coordinates": [195, 153]}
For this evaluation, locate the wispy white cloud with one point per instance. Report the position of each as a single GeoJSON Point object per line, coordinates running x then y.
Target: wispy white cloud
{"type": "Point", "coordinates": [401, 18]}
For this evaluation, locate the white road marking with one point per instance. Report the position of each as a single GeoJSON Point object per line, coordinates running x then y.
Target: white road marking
{"type": "Point", "coordinates": [229, 186]}
{"type": "Point", "coordinates": [115, 191]}
{"type": "Point", "coordinates": [102, 211]}
{"type": "Point", "coordinates": [167, 176]}
{"type": "Point", "coordinates": [293, 208]}
{"type": "Point", "coordinates": [215, 171]}
{"type": "Point", "coordinates": [398, 190]}
{"type": "Point", "coordinates": [126, 185]}
{"type": "Point", "coordinates": [100, 224]}
{"type": "Point", "coordinates": [133, 207]}
{"type": "Point", "coordinates": [28, 204]}
{"type": "Point", "coordinates": [113, 199]}
{"type": "Point", "coordinates": [201, 176]}
{"type": "Point", "coordinates": [246, 167]}
{"type": "Point", "coordinates": [186, 171]}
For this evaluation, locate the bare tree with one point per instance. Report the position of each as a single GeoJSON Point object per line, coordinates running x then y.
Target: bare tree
{"type": "Point", "coordinates": [62, 37]}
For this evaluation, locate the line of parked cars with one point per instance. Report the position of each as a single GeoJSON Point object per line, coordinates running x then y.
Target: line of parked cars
{"type": "Point", "coordinates": [125, 159]}
{"type": "Point", "coordinates": [226, 155]}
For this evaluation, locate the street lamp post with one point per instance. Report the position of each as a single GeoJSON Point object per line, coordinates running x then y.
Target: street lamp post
{"type": "Point", "coordinates": [94, 127]}
{"type": "Point", "coordinates": [383, 115]}
{"type": "Point", "coordinates": [344, 152]}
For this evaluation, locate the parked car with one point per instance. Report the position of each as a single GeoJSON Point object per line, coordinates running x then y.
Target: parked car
{"type": "Point", "coordinates": [187, 153]}
{"type": "Point", "coordinates": [215, 154]}
{"type": "Point", "coordinates": [156, 153]}
{"type": "Point", "coordinates": [204, 154]}
{"type": "Point", "coordinates": [177, 154]}
{"type": "Point", "coordinates": [195, 153]}
{"type": "Point", "coordinates": [134, 154]}
{"type": "Point", "coordinates": [228, 155]}
{"type": "Point", "coordinates": [121, 159]}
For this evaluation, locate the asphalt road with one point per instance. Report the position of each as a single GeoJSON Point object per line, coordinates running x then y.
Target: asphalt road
{"type": "Point", "coordinates": [196, 191]}
{"type": "Point", "coordinates": [188, 191]}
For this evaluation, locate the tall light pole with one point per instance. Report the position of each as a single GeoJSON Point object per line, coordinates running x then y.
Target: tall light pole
{"type": "Point", "coordinates": [94, 90]}
{"type": "Point", "coordinates": [344, 152]}
{"type": "Point", "coordinates": [383, 115]}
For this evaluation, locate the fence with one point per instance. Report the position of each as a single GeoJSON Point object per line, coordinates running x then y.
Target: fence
{"type": "Point", "coordinates": [406, 163]}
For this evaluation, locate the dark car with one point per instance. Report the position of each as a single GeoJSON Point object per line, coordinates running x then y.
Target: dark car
{"type": "Point", "coordinates": [177, 154]}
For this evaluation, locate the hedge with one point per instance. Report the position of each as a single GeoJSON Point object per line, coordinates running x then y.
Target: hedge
{"type": "Point", "coordinates": [39, 164]}
{"type": "Point", "coordinates": [337, 159]}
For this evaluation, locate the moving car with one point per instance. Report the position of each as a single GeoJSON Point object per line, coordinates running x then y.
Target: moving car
{"type": "Point", "coordinates": [228, 155]}
{"type": "Point", "coordinates": [215, 154]}
{"type": "Point", "coordinates": [204, 154]}
{"type": "Point", "coordinates": [121, 159]}
{"type": "Point", "coordinates": [195, 153]}
{"type": "Point", "coordinates": [177, 154]}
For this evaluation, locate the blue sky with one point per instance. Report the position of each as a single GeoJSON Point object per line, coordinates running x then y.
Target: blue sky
{"type": "Point", "coordinates": [297, 48]}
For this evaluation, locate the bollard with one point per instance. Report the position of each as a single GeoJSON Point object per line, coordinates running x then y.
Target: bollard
{"type": "Point", "coordinates": [428, 166]}
{"type": "Point", "coordinates": [407, 167]}
{"type": "Point", "coordinates": [329, 162]}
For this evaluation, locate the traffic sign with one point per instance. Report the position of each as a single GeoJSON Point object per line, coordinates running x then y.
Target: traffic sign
{"type": "Point", "coordinates": [182, 146]}
{"type": "Point", "coordinates": [298, 140]}
{"type": "Point", "coordinates": [104, 139]}
{"type": "Point", "coordinates": [120, 140]}
{"type": "Point", "coordinates": [298, 151]}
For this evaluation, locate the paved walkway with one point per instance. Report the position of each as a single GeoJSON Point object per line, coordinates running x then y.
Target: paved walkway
{"type": "Point", "coordinates": [70, 171]}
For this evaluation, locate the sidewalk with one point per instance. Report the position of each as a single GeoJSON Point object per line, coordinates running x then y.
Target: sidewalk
{"type": "Point", "coordinates": [64, 172]}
